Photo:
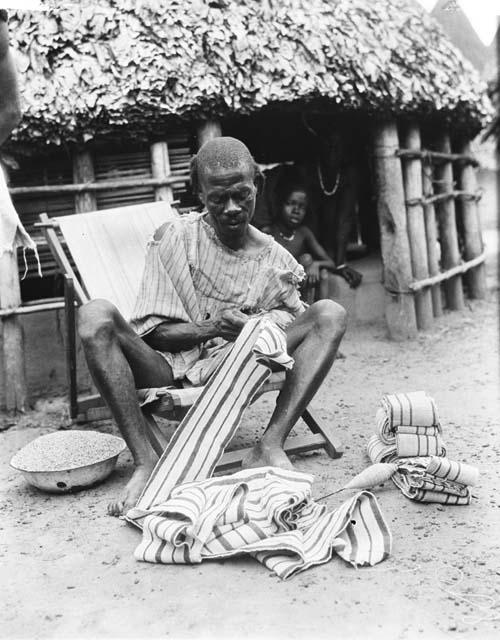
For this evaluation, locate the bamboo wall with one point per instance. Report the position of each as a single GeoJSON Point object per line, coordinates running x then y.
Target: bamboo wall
{"type": "Point", "coordinates": [129, 171]}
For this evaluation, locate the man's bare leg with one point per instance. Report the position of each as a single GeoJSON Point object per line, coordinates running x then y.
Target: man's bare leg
{"type": "Point", "coordinates": [120, 362]}
{"type": "Point", "coordinates": [313, 340]}
{"type": "Point", "coordinates": [324, 285]}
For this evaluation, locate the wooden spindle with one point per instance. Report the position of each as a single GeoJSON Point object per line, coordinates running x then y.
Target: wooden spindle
{"type": "Point", "coordinates": [473, 242]}
{"type": "Point", "coordinates": [400, 306]}
{"type": "Point", "coordinates": [412, 176]}
{"type": "Point", "coordinates": [448, 236]}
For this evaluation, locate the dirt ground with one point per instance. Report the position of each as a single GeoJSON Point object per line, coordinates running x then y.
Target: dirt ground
{"type": "Point", "coordinates": [68, 569]}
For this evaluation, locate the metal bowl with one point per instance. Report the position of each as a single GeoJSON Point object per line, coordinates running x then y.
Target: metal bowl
{"type": "Point", "coordinates": [59, 480]}
{"type": "Point", "coordinates": [71, 479]}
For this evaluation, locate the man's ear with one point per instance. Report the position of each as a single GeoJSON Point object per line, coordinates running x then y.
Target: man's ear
{"type": "Point", "coordinates": [259, 180]}
{"type": "Point", "coordinates": [201, 197]}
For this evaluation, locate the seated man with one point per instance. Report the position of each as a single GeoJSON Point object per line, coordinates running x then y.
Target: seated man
{"type": "Point", "coordinates": [233, 269]}
{"type": "Point", "coordinates": [301, 242]}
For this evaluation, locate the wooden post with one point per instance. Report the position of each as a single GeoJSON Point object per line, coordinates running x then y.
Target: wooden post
{"type": "Point", "coordinates": [83, 171]}
{"type": "Point", "coordinates": [448, 236]}
{"type": "Point", "coordinates": [207, 130]}
{"type": "Point", "coordinates": [432, 240]}
{"type": "Point", "coordinates": [70, 320]}
{"type": "Point", "coordinates": [473, 243]}
{"type": "Point", "coordinates": [12, 333]}
{"type": "Point", "coordinates": [160, 168]}
{"type": "Point", "coordinates": [400, 306]}
{"type": "Point", "coordinates": [14, 370]}
{"type": "Point", "coordinates": [412, 175]}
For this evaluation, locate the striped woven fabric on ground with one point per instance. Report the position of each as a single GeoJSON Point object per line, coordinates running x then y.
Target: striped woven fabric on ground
{"type": "Point", "coordinates": [418, 481]}
{"type": "Point", "coordinates": [200, 440]}
{"type": "Point", "coordinates": [427, 479]}
{"type": "Point", "coordinates": [409, 434]}
{"type": "Point", "coordinates": [414, 409]}
{"type": "Point", "coordinates": [265, 512]}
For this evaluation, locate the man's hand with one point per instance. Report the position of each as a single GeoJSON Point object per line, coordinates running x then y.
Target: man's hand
{"type": "Point", "coordinates": [350, 275]}
{"type": "Point", "coordinates": [312, 272]}
{"type": "Point", "coordinates": [229, 323]}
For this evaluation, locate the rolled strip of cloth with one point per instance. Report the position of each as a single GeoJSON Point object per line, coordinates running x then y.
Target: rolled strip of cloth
{"type": "Point", "coordinates": [379, 451]}
{"type": "Point", "coordinates": [453, 471]}
{"type": "Point", "coordinates": [415, 409]}
{"type": "Point", "coordinates": [419, 441]}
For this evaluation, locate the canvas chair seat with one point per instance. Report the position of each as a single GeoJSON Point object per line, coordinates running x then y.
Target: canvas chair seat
{"type": "Point", "coordinates": [108, 249]}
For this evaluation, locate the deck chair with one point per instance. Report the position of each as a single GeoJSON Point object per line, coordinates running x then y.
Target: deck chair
{"type": "Point", "coordinates": [108, 250]}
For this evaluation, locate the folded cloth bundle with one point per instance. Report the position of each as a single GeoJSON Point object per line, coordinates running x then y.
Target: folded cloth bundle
{"type": "Point", "coordinates": [414, 409]}
{"type": "Point", "coordinates": [419, 441]}
{"type": "Point", "coordinates": [410, 422]}
{"type": "Point", "coordinates": [433, 479]}
{"type": "Point", "coordinates": [409, 434]}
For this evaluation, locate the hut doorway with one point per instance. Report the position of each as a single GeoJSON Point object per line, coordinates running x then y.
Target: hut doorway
{"type": "Point", "coordinates": [330, 158]}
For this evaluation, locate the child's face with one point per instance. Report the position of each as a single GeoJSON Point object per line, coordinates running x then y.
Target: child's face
{"type": "Point", "coordinates": [294, 208]}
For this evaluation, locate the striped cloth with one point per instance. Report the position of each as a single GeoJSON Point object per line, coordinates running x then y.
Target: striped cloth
{"type": "Point", "coordinates": [414, 409]}
{"type": "Point", "coordinates": [409, 442]}
{"type": "Point", "coordinates": [436, 479]}
{"type": "Point", "coordinates": [265, 512]}
{"type": "Point", "coordinates": [270, 346]}
{"type": "Point", "coordinates": [426, 478]}
{"type": "Point", "coordinates": [191, 276]}
{"type": "Point", "coordinates": [199, 441]}
{"type": "Point", "coordinates": [419, 441]}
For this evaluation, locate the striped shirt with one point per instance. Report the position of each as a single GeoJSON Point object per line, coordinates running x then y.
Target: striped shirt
{"type": "Point", "coordinates": [190, 275]}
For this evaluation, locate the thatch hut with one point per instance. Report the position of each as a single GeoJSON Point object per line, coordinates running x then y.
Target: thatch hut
{"type": "Point", "coordinates": [118, 95]}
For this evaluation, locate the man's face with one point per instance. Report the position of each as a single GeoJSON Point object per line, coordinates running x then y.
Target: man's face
{"type": "Point", "coordinates": [229, 196]}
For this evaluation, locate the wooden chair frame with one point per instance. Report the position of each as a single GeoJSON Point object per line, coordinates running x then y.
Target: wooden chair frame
{"type": "Point", "coordinates": [75, 294]}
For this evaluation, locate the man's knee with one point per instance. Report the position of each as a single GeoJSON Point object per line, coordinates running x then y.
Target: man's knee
{"type": "Point", "coordinates": [97, 322]}
{"type": "Point", "coordinates": [330, 318]}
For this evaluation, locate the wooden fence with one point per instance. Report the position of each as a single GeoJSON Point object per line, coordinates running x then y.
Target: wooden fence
{"type": "Point", "coordinates": [426, 262]}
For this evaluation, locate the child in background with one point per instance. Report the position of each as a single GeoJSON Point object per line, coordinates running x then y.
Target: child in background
{"type": "Point", "coordinates": [300, 241]}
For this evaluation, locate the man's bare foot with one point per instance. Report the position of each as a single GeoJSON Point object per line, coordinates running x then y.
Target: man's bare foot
{"type": "Point", "coordinates": [266, 456]}
{"type": "Point", "coordinates": [132, 490]}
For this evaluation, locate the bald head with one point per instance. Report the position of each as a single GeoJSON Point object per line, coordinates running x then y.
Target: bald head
{"type": "Point", "coordinates": [221, 153]}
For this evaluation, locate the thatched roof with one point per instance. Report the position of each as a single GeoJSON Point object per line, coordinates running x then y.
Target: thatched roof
{"type": "Point", "coordinates": [132, 66]}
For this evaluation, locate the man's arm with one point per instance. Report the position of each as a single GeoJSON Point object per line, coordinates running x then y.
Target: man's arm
{"type": "Point", "coordinates": [180, 336]}
{"type": "Point", "coordinates": [10, 108]}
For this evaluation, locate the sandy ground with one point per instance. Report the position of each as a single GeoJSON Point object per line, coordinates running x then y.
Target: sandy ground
{"type": "Point", "coordinates": [68, 569]}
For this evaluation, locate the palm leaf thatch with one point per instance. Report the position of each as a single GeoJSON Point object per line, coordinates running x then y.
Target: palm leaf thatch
{"type": "Point", "coordinates": [131, 67]}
